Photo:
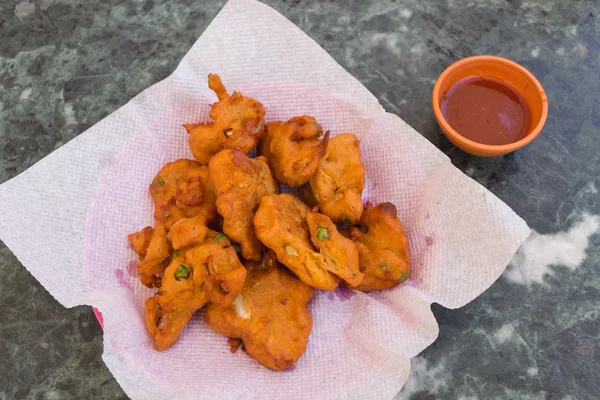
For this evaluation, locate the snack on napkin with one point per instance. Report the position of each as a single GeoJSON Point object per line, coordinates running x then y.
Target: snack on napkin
{"type": "Point", "coordinates": [383, 247]}
{"type": "Point", "coordinates": [203, 268]}
{"type": "Point", "coordinates": [247, 199]}
{"type": "Point", "coordinates": [238, 124]}
{"type": "Point", "coordinates": [240, 183]}
{"type": "Point", "coordinates": [448, 216]}
{"type": "Point", "coordinates": [294, 149]}
{"type": "Point", "coordinates": [270, 315]}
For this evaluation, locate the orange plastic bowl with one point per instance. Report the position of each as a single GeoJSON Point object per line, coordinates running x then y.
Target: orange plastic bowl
{"type": "Point", "coordinates": [499, 68]}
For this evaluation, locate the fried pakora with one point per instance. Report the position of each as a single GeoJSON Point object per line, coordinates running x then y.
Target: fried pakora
{"type": "Point", "coordinates": [141, 240]}
{"type": "Point", "coordinates": [207, 269]}
{"type": "Point", "coordinates": [151, 268]}
{"type": "Point", "coordinates": [240, 183]}
{"type": "Point", "coordinates": [226, 274]}
{"type": "Point", "coordinates": [270, 316]}
{"type": "Point", "coordinates": [188, 232]}
{"type": "Point", "coordinates": [280, 224]}
{"type": "Point", "coordinates": [182, 189]}
{"type": "Point", "coordinates": [383, 248]}
{"type": "Point", "coordinates": [340, 253]}
{"type": "Point", "coordinates": [293, 149]}
{"type": "Point", "coordinates": [213, 250]}
{"type": "Point", "coordinates": [238, 123]}
{"type": "Point", "coordinates": [289, 249]}
{"type": "Point", "coordinates": [339, 180]}
{"type": "Point", "coordinates": [181, 295]}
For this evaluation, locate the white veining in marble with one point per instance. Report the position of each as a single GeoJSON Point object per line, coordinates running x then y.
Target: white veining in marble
{"type": "Point", "coordinates": [23, 9]}
{"type": "Point", "coordinates": [539, 252]}
{"type": "Point", "coordinates": [504, 334]}
{"type": "Point", "coordinates": [424, 377]}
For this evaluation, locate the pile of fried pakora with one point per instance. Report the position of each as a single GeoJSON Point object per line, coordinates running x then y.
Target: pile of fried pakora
{"type": "Point", "coordinates": [226, 238]}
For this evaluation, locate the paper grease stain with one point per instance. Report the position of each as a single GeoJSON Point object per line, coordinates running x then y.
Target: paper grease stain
{"type": "Point", "coordinates": [121, 279]}
{"type": "Point", "coordinates": [132, 269]}
{"type": "Point", "coordinates": [429, 240]}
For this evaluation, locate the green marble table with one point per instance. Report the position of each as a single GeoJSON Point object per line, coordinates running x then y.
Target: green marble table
{"type": "Point", "coordinates": [66, 64]}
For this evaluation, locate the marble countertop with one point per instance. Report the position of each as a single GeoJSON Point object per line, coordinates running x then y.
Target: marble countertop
{"type": "Point", "coordinates": [535, 334]}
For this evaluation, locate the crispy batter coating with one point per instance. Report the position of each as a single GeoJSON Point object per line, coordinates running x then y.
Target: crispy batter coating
{"type": "Point", "coordinates": [340, 253]}
{"type": "Point", "coordinates": [141, 240]}
{"type": "Point", "coordinates": [240, 183]}
{"type": "Point", "coordinates": [383, 248]}
{"type": "Point", "coordinates": [182, 189]}
{"type": "Point", "coordinates": [293, 149]}
{"type": "Point", "coordinates": [262, 305]}
{"type": "Point", "coordinates": [188, 232]}
{"type": "Point", "coordinates": [270, 315]}
{"type": "Point", "coordinates": [214, 251]}
{"type": "Point", "coordinates": [280, 224]}
{"type": "Point", "coordinates": [226, 274]}
{"type": "Point", "coordinates": [338, 183]}
{"type": "Point", "coordinates": [206, 271]}
{"type": "Point", "coordinates": [238, 124]}
{"type": "Point", "coordinates": [182, 294]}
{"type": "Point", "coordinates": [151, 268]}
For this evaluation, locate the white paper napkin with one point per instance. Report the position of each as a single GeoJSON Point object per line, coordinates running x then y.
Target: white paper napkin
{"type": "Point", "coordinates": [67, 217]}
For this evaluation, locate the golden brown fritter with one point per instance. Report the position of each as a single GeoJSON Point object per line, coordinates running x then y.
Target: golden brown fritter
{"type": "Point", "coordinates": [240, 183]}
{"type": "Point", "coordinates": [238, 124]}
{"type": "Point", "coordinates": [293, 149]}
{"type": "Point", "coordinates": [141, 240]}
{"type": "Point", "coordinates": [262, 305]}
{"type": "Point", "coordinates": [182, 293]}
{"type": "Point", "coordinates": [338, 183]}
{"type": "Point", "coordinates": [213, 250]}
{"type": "Point", "coordinates": [206, 270]}
{"type": "Point", "coordinates": [188, 232]}
{"type": "Point", "coordinates": [270, 315]}
{"type": "Point", "coordinates": [382, 246]}
{"type": "Point", "coordinates": [340, 253]}
{"type": "Point", "coordinates": [280, 224]}
{"type": "Point", "coordinates": [182, 189]}
{"type": "Point", "coordinates": [226, 274]}
{"type": "Point", "coordinates": [151, 268]}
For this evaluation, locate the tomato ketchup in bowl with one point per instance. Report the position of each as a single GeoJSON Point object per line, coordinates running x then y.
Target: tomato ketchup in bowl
{"type": "Point", "coordinates": [489, 106]}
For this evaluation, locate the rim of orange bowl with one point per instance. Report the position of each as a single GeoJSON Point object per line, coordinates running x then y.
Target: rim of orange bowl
{"type": "Point", "coordinates": [488, 147]}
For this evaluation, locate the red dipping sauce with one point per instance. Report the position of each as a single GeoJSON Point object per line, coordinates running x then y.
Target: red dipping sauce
{"type": "Point", "coordinates": [486, 110]}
